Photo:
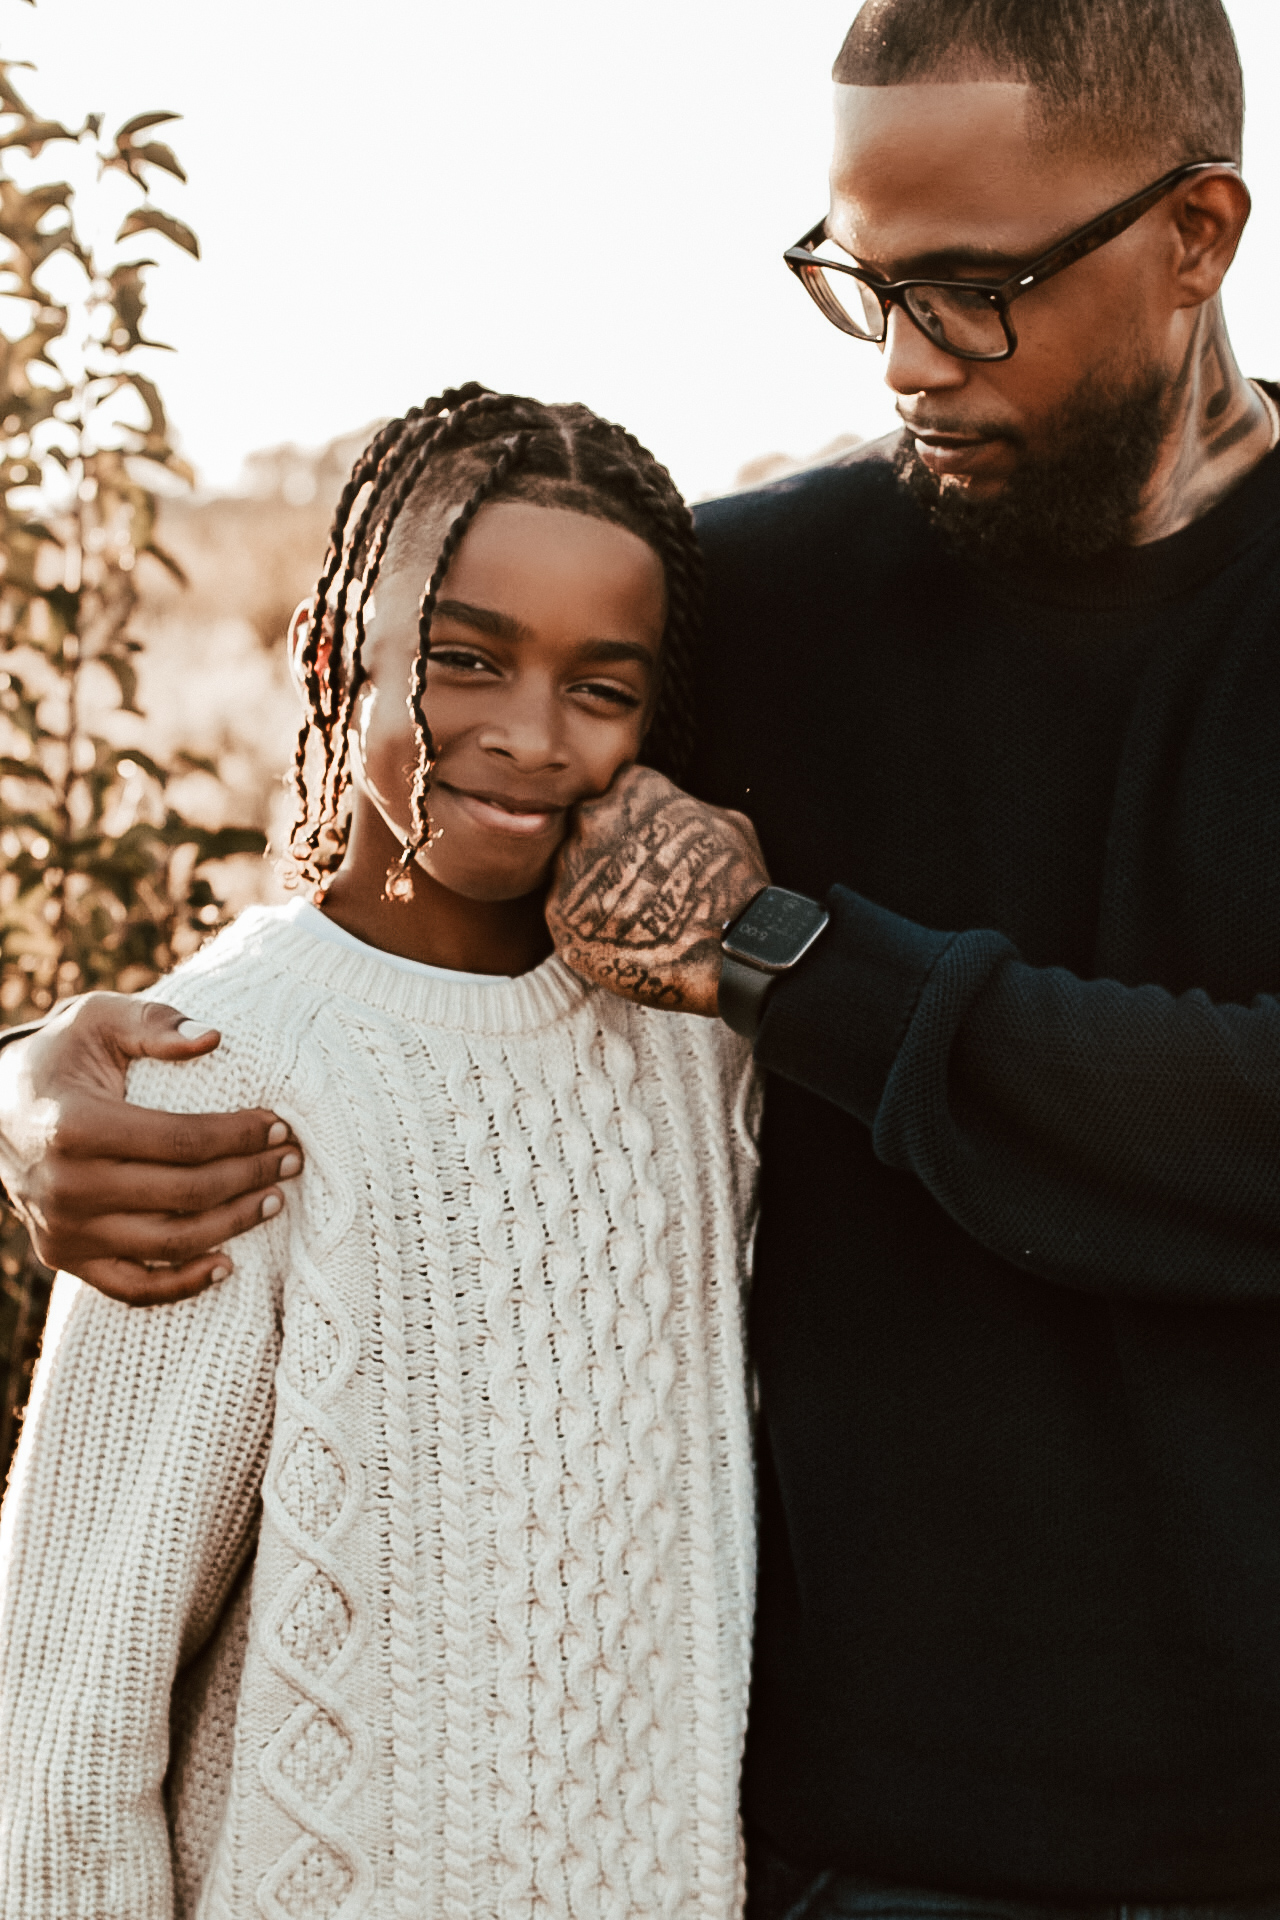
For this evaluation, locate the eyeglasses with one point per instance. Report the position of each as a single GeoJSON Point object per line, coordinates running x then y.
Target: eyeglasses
{"type": "Point", "coordinates": [967, 318]}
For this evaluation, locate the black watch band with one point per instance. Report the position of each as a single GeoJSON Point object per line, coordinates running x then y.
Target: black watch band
{"type": "Point", "coordinates": [743, 993]}
{"type": "Point", "coordinates": [776, 930]}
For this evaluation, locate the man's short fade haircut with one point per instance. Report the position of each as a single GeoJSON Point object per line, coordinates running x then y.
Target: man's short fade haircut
{"type": "Point", "coordinates": [1157, 77]}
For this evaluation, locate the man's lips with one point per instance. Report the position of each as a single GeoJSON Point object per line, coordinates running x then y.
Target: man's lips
{"type": "Point", "coordinates": [504, 813]}
{"type": "Point", "coordinates": [954, 452]}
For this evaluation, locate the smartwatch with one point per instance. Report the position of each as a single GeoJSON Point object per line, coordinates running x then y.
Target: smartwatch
{"type": "Point", "coordinates": [776, 931]}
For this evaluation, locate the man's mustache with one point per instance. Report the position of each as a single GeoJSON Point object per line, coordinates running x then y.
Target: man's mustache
{"type": "Point", "coordinates": [962, 429]}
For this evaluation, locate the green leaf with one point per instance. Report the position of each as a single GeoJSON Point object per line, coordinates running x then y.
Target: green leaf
{"type": "Point", "coordinates": [149, 394]}
{"type": "Point", "coordinates": [33, 134]}
{"type": "Point", "coordinates": [222, 845]}
{"type": "Point", "coordinates": [123, 673]}
{"type": "Point", "coordinates": [22, 770]}
{"type": "Point", "coordinates": [155, 154]}
{"type": "Point", "coordinates": [139, 759]}
{"type": "Point", "coordinates": [140, 123]}
{"type": "Point", "coordinates": [229, 841]}
{"type": "Point", "coordinates": [158, 553]}
{"type": "Point", "coordinates": [151, 220]}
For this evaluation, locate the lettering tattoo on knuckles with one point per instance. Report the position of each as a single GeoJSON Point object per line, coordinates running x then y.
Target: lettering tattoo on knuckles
{"type": "Point", "coordinates": [663, 875]}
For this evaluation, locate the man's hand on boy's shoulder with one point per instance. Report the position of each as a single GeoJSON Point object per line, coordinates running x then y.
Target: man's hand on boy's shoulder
{"type": "Point", "coordinates": [644, 887]}
{"type": "Point", "coordinates": [135, 1202]}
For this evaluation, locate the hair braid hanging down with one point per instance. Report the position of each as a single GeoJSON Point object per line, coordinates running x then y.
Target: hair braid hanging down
{"type": "Point", "coordinates": [400, 878]}
{"type": "Point", "coordinates": [473, 444]}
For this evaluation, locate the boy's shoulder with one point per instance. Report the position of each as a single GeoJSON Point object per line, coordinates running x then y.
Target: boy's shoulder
{"type": "Point", "coordinates": [253, 947]}
{"type": "Point", "coordinates": [243, 983]}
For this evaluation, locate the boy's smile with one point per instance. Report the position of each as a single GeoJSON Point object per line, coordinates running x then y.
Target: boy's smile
{"type": "Point", "coordinates": [540, 685]}
{"type": "Point", "coordinates": [502, 812]}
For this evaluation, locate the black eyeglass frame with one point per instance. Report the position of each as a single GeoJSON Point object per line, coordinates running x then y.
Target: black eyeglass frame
{"type": "Point", "coordinates": [1001, 293]}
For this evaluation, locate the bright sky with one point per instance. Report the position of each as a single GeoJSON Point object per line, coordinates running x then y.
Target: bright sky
{"type": "Point", "coordinates": [579, 198]}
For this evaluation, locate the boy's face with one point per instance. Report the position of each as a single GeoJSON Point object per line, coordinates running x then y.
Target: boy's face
{"type": "Point", "coordinates": [540, 684]}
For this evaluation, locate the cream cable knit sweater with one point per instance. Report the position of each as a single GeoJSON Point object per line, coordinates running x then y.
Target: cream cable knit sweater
{"type": "Point", "coordinates": [481, 1649]}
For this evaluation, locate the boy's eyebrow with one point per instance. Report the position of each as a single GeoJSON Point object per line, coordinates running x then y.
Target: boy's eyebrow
{"type": "Point", "coordinates": [603, 650]}
{"type": "Point", "coordinates": [502, 626]}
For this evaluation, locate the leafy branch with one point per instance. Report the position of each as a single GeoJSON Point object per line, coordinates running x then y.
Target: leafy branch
{"type": "Point", "coordinates": [100, 881]}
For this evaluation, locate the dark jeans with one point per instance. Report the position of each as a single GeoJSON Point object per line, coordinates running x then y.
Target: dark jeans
{"type": "Point", "coordinates": [778, 1891]}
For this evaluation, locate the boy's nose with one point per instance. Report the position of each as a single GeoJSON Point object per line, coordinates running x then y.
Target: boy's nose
{"type": "Point", "coordinates": [530, 739]}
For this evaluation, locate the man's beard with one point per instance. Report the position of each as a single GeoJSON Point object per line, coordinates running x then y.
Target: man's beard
{"type": "Point", "coordinates": [1075, 501]}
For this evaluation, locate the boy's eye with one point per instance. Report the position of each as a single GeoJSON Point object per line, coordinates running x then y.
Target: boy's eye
{"type": "Point", "coordinates": [460, 658]}
{"type": "Point", "coordinates": [614, 695]}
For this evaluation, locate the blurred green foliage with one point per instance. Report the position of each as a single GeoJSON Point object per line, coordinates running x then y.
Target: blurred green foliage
{"type": "Point", "coordinates": [100, 875]}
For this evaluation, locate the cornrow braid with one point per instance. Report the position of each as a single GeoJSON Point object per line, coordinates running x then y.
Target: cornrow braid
{"type": "Point", "coordinates": [485, 445]}
{"type": "Point", "coordinates": [318, 689]}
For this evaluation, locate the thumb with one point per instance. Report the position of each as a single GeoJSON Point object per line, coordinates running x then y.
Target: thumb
{"type": "Point", "coordinates": [166, 1034]}
{"type": "Point", "coordinates": [118, 1029]}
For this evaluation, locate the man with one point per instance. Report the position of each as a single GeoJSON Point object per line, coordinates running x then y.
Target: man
{"type": "Point", "coordinates": [1004, 697]}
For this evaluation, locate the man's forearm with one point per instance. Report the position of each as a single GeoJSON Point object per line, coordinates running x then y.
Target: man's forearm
{"type": "Point", "coordinates": [1119, 1140]}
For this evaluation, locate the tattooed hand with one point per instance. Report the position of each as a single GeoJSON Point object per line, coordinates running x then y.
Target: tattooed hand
{"type": "Point", "coordinates": [644, 887]}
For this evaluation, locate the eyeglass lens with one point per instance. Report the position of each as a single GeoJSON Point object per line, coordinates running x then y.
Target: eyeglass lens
{"type": "Point", "coordinates": [969, 322]}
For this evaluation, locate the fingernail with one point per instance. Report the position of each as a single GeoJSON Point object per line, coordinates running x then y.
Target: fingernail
{"type": "Point", "coordinates": [219, 1273]}
{"type": "Point", "coordinates": [278, 1134]}
{"type": "Point", "coordinates": [270, 1206]}
{"type": "Point", "coordinates": [192, 1030]}
{"type": "Point", "coordinates": [292, 1163]}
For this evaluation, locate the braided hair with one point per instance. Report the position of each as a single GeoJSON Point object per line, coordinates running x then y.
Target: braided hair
{"type": "Point", "coordinates": [484, 446]}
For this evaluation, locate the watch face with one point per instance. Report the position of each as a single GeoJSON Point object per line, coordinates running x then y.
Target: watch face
{"type": "Point", "coordinates": [776, 929]}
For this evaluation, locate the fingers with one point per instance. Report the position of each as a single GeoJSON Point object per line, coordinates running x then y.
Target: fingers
{"type": "Point", "coordinates": [626, 787]}
{"type": "Point", "coordinates": [137, 1239]}
{"type": "Point", "coordinates": [95, 1128]}
{"type": "Point", "coordinates": [139, 1286]}
{"type": "Point", "coordinates": [93, 1187]}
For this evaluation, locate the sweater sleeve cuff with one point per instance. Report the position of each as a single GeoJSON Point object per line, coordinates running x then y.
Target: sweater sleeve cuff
{"type": "Point", "coordinates": [835, 1024]}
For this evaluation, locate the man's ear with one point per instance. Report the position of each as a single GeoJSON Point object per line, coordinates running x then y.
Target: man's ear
{"type": "Point", "coordinates": [1211, 213]}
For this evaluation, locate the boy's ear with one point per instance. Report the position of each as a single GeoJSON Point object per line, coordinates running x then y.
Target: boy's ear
{"type": "Point", "coordinates": [296, 640]}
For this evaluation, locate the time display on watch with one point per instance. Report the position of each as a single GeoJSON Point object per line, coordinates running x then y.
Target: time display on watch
{"type": "Point", "coordinates": [777, 929]}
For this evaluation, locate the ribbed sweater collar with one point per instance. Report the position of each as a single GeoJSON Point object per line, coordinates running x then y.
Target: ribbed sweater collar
{"type": "Point", "coordinates": [528, 1004]}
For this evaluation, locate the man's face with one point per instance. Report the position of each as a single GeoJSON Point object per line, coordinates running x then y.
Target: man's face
{"type": "Point", "coordinates": [949, 180]}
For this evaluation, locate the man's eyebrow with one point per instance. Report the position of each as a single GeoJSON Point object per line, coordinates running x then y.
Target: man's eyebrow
{"type": "Point", "coordinates": [992, 263]}
{"type": "Point", "coordinates": [958, 264]}
{"type": "Point", "coordinates": [500, 626]}
{"type": "Point", "coordinates": [942, 263]}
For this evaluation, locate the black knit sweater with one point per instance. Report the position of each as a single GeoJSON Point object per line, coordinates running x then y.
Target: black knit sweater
{"type": "Point", "coordinates": [1016, 1310]}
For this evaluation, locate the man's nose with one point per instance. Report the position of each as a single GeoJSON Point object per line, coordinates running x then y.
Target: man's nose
{"type": "Point", "coordinates": [913, 364]}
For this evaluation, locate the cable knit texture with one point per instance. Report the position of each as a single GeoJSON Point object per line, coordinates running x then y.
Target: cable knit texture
{"type": "Point", "coordinates": [407, 1573]}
